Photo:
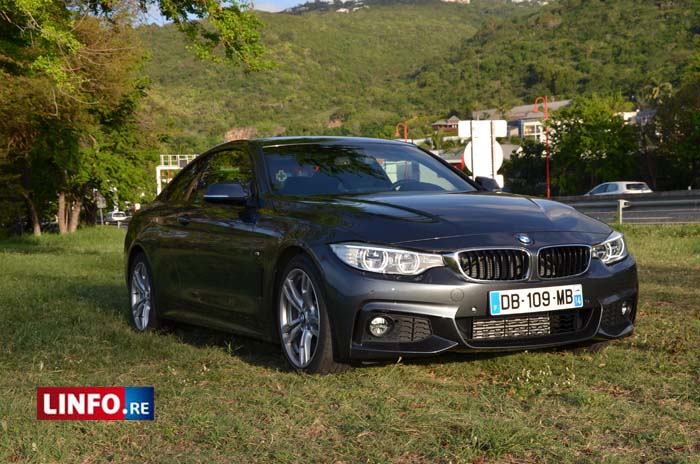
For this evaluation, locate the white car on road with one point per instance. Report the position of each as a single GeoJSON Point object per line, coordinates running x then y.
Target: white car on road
{"type": "Point", "coordinates": [114, 217]}
{"type": "Point", "coordinates": [620, 188]}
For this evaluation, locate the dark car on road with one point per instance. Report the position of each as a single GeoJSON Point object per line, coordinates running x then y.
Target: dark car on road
{"type": "Point", "coordinates": [350, 249]}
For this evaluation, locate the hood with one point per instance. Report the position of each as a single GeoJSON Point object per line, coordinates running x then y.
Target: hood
{"type": "Point", "coordinates": [450, 220]}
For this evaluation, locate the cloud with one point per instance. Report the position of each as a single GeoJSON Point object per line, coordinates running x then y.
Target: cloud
{"type": "Point", "coordinates": [269, 6]}
{"type": "Point", "coordinates": [274, 6]}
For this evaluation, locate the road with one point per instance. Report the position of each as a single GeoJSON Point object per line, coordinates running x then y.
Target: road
{"type": "Point", "coordinates": [653, 208]}
{"type": "Point", "coordinates": [649, 216]}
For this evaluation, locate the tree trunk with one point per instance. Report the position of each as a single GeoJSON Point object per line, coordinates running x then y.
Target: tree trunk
{"type": "Point", "coordinates": [651, 166]}
{"type": "Point", "coordinates": [34, 216]}
{"type": "Point", "coordinates": [74, 218]}
{"type": "Point", "coordinates": [62, 214]}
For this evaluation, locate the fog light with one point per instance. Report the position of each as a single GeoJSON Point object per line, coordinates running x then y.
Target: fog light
{"type": "Point", "coordinates": [626, 308]}
{"type": "Point", "coordinates": [379, 326]}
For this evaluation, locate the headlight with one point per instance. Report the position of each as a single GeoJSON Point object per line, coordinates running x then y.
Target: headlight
{"type": "Point", "coordinates": [385, 260]}
{"type": "Point", "coordinates": [612, 250]}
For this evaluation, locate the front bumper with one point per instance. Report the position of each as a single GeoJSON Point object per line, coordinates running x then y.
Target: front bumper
{"type": "Point", "coordinates": [440, 311]}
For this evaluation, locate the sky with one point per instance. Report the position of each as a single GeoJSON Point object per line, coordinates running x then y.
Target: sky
{"type": "Point", "coordinates": [275, 5]}
{"type": "Point", "coordinates": [153, 16]}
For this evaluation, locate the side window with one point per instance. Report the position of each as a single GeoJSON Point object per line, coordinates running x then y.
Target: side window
{"type": "Point", "coordinates": [613, 188]}
{"type": "Point", "coordinates": [180, 189]}
{"type": "Point", "coordinates": [233, 165]}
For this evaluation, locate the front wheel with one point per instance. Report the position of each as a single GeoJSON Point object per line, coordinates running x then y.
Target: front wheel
{"type": "Point", "coordinates": [143, 310]}
{"type": "Point", "coordinates": [303, 325]}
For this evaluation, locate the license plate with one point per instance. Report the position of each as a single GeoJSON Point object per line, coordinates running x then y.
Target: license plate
{"type": "Point", "coordinates": [533, 300]}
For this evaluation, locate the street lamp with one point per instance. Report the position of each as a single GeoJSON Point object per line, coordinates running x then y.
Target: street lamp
{"type": "Point", "coordinates": [405, 131]}
{"type": "Point", "coordinates": [545, 103]}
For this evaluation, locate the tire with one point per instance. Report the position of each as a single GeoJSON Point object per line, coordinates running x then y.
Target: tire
{"type": "Point", "coordinates": [144, 313]}
{"type": "Point", "coordinates": [302, 318]}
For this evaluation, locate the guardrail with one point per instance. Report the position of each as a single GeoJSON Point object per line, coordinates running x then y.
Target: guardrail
{"type": "Point", "coordinates": [674, 207]}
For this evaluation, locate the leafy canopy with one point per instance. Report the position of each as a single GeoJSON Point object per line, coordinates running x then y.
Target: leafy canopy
{"type": "Point", "coordinates": [72, 83]}
{"type": "Point", "coordinates": [591, 143]}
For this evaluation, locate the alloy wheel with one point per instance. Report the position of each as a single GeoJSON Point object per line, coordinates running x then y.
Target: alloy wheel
{"type": "Point", "coordinates": [299, 317]}
{"type": "Point", "coordinates": [140, 296]}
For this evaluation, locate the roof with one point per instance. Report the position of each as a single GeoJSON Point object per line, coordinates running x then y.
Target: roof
{"type": "Point", "coordinates": [298, 140]}
{"type": "Point", "coordinates": [451, 120]}
{"type": "Point", "coordinates": [519, 112]}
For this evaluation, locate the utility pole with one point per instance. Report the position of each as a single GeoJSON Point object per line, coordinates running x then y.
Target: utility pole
{"type": "Point", "coordinates": [545, 103]}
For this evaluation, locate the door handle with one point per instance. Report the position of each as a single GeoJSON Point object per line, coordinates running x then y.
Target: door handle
{"type": "Point", "coordinates": [184, 220]}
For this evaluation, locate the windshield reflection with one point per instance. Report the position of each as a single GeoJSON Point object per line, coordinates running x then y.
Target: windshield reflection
{"type": "Point", "coordinates": [341, 169]}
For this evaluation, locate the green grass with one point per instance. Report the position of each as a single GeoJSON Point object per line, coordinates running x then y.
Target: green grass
{"type": "Point", "coordinates": [219, 398]}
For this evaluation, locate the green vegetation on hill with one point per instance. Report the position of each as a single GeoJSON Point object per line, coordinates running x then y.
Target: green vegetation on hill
{"type": "Point", "coordinates": [372, 68]}
{"type": "Point", "coordinates": [354, 67]}
{"type": "Point", "coordinates": [572, 47]}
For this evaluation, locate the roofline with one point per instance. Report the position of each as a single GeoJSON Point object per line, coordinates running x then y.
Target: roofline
{"type": "Point", "coordinates": [302, 140]}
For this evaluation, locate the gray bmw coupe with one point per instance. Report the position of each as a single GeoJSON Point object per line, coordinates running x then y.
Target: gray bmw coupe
{"type": "Point", "coordinates": [352, 249]}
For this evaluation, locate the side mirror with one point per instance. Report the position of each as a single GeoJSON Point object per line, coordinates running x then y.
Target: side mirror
{"type": "Point", "coordinates": [231, 193]}
{"type": "Point", "coordinates": [488, 184]}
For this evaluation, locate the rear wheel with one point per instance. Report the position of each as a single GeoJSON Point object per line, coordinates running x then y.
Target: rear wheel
{"type": "Point", "coordinates": [144, 315]}
{"type": "Point", "coordinates": [303, 325]}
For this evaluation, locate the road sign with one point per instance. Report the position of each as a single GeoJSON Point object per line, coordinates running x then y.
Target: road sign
{"type": "Point", "coordinates": [483, 156]}
{"type": "Point", "coordinates": [100, 201]}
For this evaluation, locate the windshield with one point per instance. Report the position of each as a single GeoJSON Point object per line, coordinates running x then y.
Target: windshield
{"type": "Point", "coordinates": [637, 186]}
{"type": "Point", "coordinates": [341, 169]}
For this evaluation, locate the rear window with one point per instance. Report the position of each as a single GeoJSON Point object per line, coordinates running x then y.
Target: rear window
{"type": "Point", "coordinates": [637, 186]}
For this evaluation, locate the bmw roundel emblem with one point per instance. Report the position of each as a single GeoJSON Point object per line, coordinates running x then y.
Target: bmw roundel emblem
{"type": "Point", "coordinates": [524, 239]}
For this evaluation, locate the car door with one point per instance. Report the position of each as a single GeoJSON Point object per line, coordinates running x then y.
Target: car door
{"type": "Point", "coordinates": [166, 238]}
{"type": "Point", "coordinates": [220, 278]}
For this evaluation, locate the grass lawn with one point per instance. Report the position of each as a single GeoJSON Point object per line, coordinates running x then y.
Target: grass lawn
{"type": "Point", "coordinates": [219, 398]}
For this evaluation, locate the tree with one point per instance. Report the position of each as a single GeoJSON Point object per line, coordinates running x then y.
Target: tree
{"type": "Point", "coordinates": [525, 170]}
{"type": "Point", "coordinates": [53, 129]}
{"type": "Point", "coordinates": [678, 129]}
{"type": "Point", "coordinates": [591, 144]}
{"type": "Point", "coordinates": [71, 89]}
{"type": "Point", "coordinates": [230, 32]}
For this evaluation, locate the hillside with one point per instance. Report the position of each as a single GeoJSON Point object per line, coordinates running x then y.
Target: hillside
{"type": "Point", "coordinates": [354, 5]}
{"type": "Point", "coordinates": [361, 72]}
{"type": "Point", "coordinates": [572, 47]}
{"type": "Point", "coordinates": [330, 67]}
